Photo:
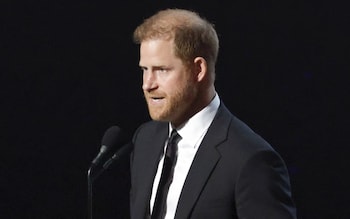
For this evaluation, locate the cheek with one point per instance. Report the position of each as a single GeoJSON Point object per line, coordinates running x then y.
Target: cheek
{"type": "Point", "coordinates": [178, 86]}
{"type": "Point", "coordinates": [186, 91]}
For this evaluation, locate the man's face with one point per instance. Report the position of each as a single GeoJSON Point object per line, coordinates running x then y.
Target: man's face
{"type": "Point", "coordinates": [169, 87]}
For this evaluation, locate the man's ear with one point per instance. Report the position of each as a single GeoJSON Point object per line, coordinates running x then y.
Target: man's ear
{"type": "Point", "coordinates": [201, 68]}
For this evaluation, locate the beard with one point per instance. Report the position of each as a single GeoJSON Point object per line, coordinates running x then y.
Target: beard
{"type": "Point", "coordinates": [177, 106]}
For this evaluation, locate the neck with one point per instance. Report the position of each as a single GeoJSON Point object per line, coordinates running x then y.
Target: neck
{"type": "Point", "coordinates": [202, 102]}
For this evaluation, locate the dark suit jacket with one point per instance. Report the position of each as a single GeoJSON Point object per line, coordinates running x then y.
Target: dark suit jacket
{"type": "Point", "coordinates": [235, 174]}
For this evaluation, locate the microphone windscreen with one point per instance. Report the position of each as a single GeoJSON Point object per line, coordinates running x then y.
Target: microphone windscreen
{"type": "Point", "coordinates": [111, 137]}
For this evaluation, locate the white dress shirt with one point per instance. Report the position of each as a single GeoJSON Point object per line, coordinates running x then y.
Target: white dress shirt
{"type": "Point", "coordinates": [192, 134]}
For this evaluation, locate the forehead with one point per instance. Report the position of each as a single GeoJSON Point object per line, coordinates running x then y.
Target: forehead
{"type": "Point", "coordinates": [156, 46]}
{"type": "Point", "coordinates": [156, 50]}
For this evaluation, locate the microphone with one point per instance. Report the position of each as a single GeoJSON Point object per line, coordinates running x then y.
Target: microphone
{"type": "Point", "coordinates": [111, 138]}
{"type": "Point", "coordinates": [126, 149]}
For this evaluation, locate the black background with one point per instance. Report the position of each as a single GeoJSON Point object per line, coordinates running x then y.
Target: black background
{"type": "Point", "coordinates": [70, 71]}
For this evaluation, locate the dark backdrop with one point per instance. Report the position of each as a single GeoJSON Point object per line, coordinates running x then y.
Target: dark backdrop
{"type": "Point", "coordinates": [70, 71]}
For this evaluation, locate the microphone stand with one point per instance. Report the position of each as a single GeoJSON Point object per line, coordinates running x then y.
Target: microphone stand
{"type": "Point", "coordinates": [92, 175]}
{"type": "Point", "coordinates": [90, 179]}
{"type": "Point", "coordinates": [89, 183]}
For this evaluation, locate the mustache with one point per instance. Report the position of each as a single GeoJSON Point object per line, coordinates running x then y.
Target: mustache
{"type": "Point", "coordinates": [150, 94]}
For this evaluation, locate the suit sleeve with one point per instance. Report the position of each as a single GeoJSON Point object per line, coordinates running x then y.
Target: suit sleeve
{"type": "Point", "coordinates": [263, 189]}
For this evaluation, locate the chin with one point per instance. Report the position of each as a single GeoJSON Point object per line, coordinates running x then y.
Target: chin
{"type": "Point", "coordinates": [160, 118]}
{"type": "Point", "coordinates": [157, 117]}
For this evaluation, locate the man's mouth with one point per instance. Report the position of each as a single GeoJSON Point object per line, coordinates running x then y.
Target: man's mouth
{"type": "Point", "coordinates": [157, 98]}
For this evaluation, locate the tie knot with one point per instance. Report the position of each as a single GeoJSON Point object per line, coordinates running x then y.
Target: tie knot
{"type": "Point", "coordinates": [174, 136]}
{"type": "Point", "coordinates": [171, 149]}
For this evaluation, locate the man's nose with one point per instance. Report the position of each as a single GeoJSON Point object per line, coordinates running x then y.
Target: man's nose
{"type": "Point", "coordinates": [149, 81]}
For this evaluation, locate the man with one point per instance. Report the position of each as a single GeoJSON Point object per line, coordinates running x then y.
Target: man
{"type": "Point", "coordinates": [222, 168]}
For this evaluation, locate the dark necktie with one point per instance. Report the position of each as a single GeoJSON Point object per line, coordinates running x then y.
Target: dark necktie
{"type": "Point", "coordinates": [159, 207]}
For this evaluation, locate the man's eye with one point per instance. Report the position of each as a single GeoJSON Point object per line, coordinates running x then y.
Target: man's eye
{"type": "Point", "coordinates": [162, 70]}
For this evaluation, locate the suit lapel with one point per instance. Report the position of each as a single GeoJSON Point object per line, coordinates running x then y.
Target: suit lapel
{"type": "Point", "coordinates": [203, 164]}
